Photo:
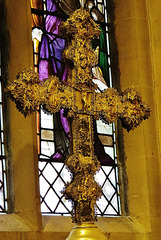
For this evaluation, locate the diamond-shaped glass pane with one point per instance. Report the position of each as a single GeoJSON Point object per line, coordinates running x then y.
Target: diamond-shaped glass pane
{"type": "Point", "coordinates": [102, 203]}
{"type": "Point", "coordinates": [66, 175]}
{"type": "Point", "coordinates": [1, 185]}
{"type": "Point", "coordinates": [49, 173]}
{"type": "Point", "coordinates": [67, 203]}
{"type": "Point", "coordinates": [58, 166]}
{"type": "Point", "coordinates": [114, 202]}
{"type": "Point", "coordinates": [43, 186]}
{"type": "Point", "coordinates": [100, 177]}
{"type": "Point", "coordinates": [44, 207]}
{"type": "Point", "coordinates": [110, 211]}
{"type": "Point", "coordinates": [1, 175]}
{"type": "Point", "coordinates": [1, 198]}
{"type": "Point", "coordinates": [108, 189]}
{"type": "Point", "coordinates": [58, 186]}
{"type": "Point", "coordinates": [61, 208]}
{"type": "Point", "coordinates": [112, 177]}
{"type": "Point", "coordinates": [51, 199]}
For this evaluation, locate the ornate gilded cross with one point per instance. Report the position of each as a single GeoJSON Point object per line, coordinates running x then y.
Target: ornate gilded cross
{"type": "Point", "coordinates": [84, 104]}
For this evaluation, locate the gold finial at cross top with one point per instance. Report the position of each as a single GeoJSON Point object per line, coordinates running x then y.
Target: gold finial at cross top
{"type": "Point", "coordinates": [84, 104]}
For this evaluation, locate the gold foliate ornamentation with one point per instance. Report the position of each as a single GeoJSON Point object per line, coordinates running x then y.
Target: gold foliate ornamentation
{"type": "Point", "coordinates": [57, 95]}
{"type": "Point", "coordinates": [127, 106]}
{"type": "Point", "coordinates": [135, 110]}
{"type": "Point", "coordinates": [80, 30]}
{"type": "Point", "coordinates": [25, 91]}
{"type": "Point", "coordinates": [83, 188]}
{"type": "Point", "coordinates": [108, 104]}
{"type": "Point", "coordinates": [80, 24]}
{"type": "Point", "coordinates": [78, 163]}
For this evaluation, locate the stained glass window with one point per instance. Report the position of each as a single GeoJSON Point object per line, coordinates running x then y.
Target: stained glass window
{"type": "Point", "coordinates": [3, 187]}
{"type": "Point", "coordinates": [53, 129]}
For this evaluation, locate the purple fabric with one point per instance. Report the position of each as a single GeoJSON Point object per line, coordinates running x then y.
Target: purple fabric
{"type": "Point", "coordinates": [44, 51]}
{"type": "Point", "coordinates": [58, 157]}
{"type": "Point", "coordinates": [51, 7]}
{"type": "Point", "coordinates": [44, 69]}
{"type": "Point", "coordinates": [52, 46]}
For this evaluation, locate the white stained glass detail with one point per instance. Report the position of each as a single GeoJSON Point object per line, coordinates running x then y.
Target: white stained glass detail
{"type": "Point", "coordinates": [110, 77]}
{"type": "Point", "coordinates": [46, 120]}
{"type": "Point", "coordinates": [61, 207]}
{"type": "Point", "coordinates": [112, 178]}
{"type": "Point", "coordinates": [109, 151]}
{"type": "Point", "coordinates": [0, 91]}
{"type": "Point", "coordinates": [1, 198]}
{"type": "Point", "coordinates": [108, 204]}
{"type": "Point", "coordinates": [37, 34]}
{"type": "Point", "coordinates": [47, 148]}
{"type": "Point", "coordinates": [59, 185]}
{"type": "Point", "coordinates": [103, 127]}
{"type": "Point", "coordinates": [109, 61]}
{"type": "Point", "coordinates": [1, 118]}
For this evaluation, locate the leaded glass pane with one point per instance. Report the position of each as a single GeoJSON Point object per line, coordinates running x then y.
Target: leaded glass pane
{"type": "Point", "coordinates": [3, 186]}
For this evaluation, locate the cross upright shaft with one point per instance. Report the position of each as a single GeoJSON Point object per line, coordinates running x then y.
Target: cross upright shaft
{"type": "Point", "coordinates": [83, 104]}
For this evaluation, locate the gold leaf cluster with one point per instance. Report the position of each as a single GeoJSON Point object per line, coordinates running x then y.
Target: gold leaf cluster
{"type": "Point", "coordinates": [56, 95]}
{"type": "Point", "coordinates": [79, 30]}
{"type": "Point", "coordinates": [108, 104]}
{"type": "Point", "coordinates": [28, 92]}
{"type": "Point", "coordinates": [135, 110]}
{"type": "Point", "coordinates": [25, 91]}
{"type": "Point", "coordinates": [83, 188]}
{"type": "Point", "coordinates": [81, 25]}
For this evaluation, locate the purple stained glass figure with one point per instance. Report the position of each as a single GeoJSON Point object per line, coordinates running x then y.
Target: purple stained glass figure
{"type": "Point", "coordinates": [50, 63]}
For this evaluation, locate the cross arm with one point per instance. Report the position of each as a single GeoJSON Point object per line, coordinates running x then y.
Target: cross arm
{"type": "Point", "coordinates": [28, 92]}
{"type": "Point", "coordinates": [127, 106]}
